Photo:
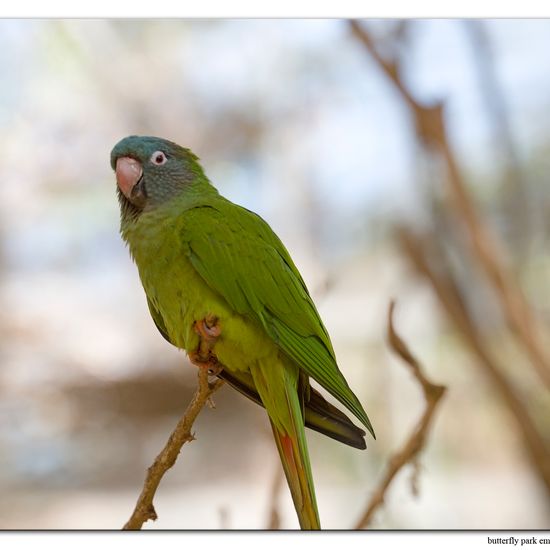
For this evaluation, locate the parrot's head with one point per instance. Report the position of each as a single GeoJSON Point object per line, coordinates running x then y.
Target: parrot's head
{"type": "Point", "coordinates": [151, 171]}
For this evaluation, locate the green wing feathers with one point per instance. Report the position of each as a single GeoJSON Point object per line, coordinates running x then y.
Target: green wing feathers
{"type": "Point", "coordinates": [319, 414]}
{"type": "Point", "coordinates": [257, 278]}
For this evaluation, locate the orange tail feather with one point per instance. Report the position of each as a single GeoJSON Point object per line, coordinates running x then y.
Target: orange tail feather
{"type": "Point", "coordinates": [299, 479]}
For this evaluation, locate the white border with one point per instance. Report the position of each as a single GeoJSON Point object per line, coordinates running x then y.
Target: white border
{"type": "Point", "coordinates": [253, 540]}
{"type": "Point", "coordinates": [281, 8]}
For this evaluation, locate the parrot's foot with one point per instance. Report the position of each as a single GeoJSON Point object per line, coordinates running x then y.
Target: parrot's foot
{"type": "Point", "coordinates": [209, 330]}
{"type": "Point", "coordinates": [211, 363]}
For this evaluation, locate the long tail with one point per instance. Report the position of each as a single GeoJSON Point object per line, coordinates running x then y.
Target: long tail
{"type": "Point", "coordinates": [295, 459]}
{"type": "Point", "coordinates": [277, 386]}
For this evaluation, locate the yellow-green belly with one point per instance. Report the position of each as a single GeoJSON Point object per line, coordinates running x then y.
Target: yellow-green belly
{"type": "Point", "coordinates": [182, 297]}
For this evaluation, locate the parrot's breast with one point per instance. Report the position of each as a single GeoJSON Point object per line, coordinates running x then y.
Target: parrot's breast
{"type": "Point", "coordinates": [182, 297]}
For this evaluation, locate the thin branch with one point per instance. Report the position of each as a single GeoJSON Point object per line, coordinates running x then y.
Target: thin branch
{"type": "Point", "coordinates": [388, 66]}
{"type": "Point", "coordinates": [516, 202]}
{"type": "Point", "coordinates": [224, 518]}
{"type": "Point", "coordinates": [417, 440]}
{"type": "Point", "coordinates": [449, 295]}
{"type": "Point", "coordinates": [144, 509]}
{"type": "Point", "coordinates": [274, 520]}
{"type": "Point", "coordinates": [431, 128]}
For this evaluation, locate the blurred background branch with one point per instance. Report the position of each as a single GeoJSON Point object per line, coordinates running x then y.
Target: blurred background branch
{"type": "Point", "coordinates": [417, 440]}
{"type": "Point", "coordinates": [422, 255]}
{"type": "Point", "coordinates": [277, 484]}
{"type": "Point", "coordinates": [515, 197]}
{"type": "Point", "coordinates": [487, 253]}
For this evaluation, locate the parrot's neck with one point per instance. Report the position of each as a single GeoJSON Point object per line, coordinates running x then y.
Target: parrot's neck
{"type": "Point", "coordinates": [143, 233]}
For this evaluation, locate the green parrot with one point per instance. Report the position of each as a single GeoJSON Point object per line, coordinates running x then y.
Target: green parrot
{"type": "Point", "coordinates": [221, 286]}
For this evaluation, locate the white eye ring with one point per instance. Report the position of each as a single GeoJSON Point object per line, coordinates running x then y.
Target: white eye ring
{"type": "Point", "coordinates": [158, 158]}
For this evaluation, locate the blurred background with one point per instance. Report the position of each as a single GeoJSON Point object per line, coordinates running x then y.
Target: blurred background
{"type": "Point", "coordinates": [402, 160]}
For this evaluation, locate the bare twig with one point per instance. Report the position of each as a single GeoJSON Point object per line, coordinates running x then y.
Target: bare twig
{"type": "Point", "coordinates": [516, 202]}
{"type": "Point", "coordinates": [224, 518]}
{"type": "Point", "coordinates": [274, 520]}
{"type": "Point", "coordinates": [450, 298]}
{"type": "Point", "coordinates": [409, 453]}
{"type": "Point", "coordinates": [431, 128]}
{"type": "Point", "coordinates": [144, 509]}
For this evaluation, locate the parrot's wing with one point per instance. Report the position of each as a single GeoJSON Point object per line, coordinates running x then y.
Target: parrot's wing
{"type": "Point", "coordinates": [319, 414]}
{"type": "Point", "coordinates": [241, 258]}
{"type": "Point", "coordinates": [159, 322]}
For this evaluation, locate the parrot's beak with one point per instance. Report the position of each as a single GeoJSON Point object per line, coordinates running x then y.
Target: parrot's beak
{"type": "Point", "coordinates": [128, 175]}
{"type": "Point", "coordinates": [128, 172]}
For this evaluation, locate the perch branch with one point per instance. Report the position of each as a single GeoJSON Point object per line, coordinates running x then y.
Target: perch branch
{"type": "Point", "coordinates": [144, 509]}
{"type": "Point", "coordinates": [417, 440]}
{"type": "Point", "coordinates": [431, 128]}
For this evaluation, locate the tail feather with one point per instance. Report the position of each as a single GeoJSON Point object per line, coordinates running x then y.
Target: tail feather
{"type": "Point", "coordinates": [277, 386]}
{"type": "Point", "coordinates": [325, 418]}
{"type": "Point", "coordinates": [319, 414]}
{"type": "Point", "coordinates": [298, 475]}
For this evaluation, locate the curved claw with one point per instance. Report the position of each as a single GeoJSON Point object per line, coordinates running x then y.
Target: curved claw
{"type": "Point", "coordinates": [208, 328]}
{"type": "Point", "coordinates": [211, 362]}
{"type": "Point", "coordinates": [209, 331]}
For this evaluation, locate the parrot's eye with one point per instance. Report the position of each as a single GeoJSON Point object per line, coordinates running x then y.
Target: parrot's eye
{"type": "Point", "coordinates": [158, 158]}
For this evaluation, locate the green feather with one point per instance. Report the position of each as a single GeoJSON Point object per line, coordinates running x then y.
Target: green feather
{"type": "Point", "coordinates": [197, 255]}
{"type": "Point", "coordinates": [240, 257]}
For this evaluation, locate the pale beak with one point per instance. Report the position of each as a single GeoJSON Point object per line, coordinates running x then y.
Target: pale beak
{"type": "Point", "coordinates": [128, 173]}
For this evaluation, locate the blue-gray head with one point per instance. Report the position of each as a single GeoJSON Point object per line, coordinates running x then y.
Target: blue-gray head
{"type": "Point", "coordinates": [151, 171]}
